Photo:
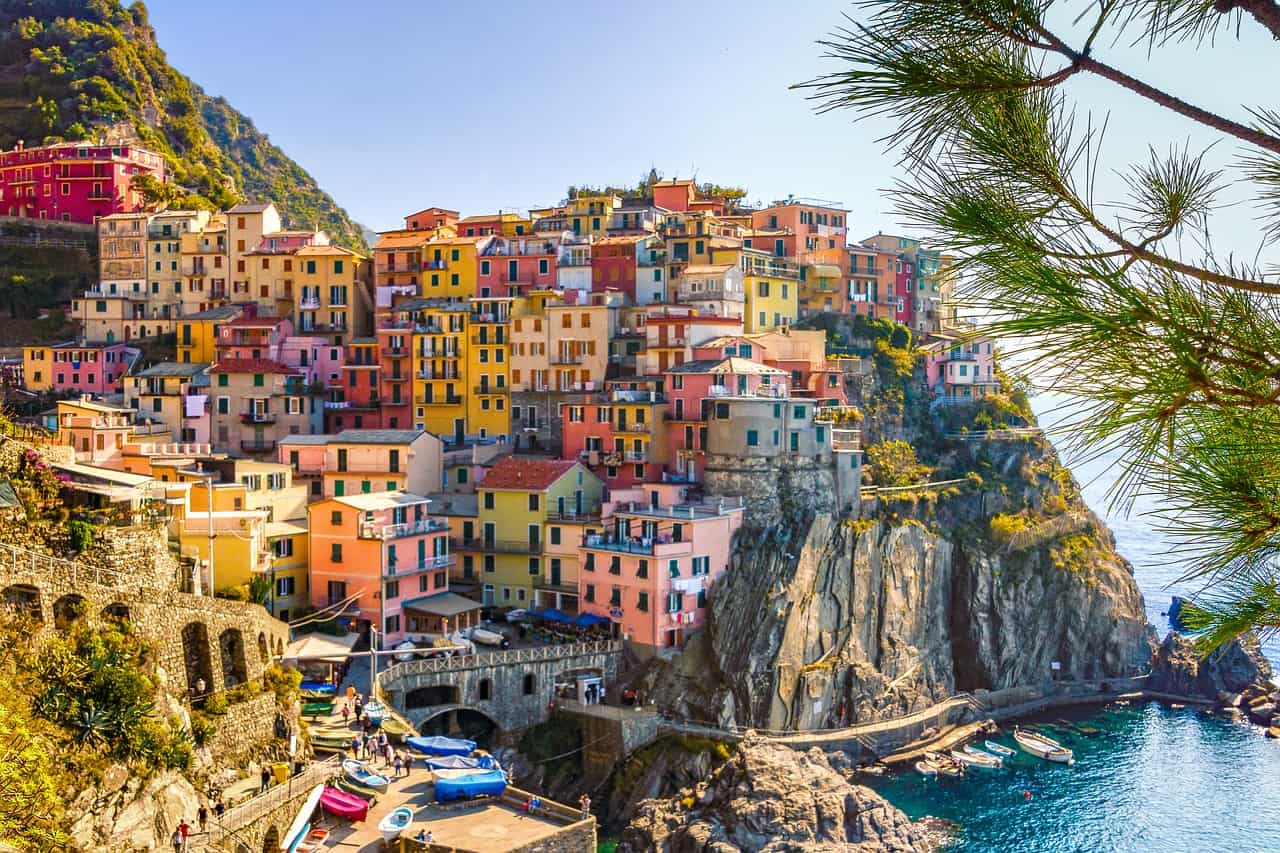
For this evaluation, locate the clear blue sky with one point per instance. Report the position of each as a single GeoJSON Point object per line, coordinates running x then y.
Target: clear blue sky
{"type": "Point", "coordinates": [395, 105]}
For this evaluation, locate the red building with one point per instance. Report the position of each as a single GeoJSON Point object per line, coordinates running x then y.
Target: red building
{"type": "Point", "coordinates": [613, 264]}
{"type": "Point", "coordinates": [354, 399]}
{"type": "Point", "coordinates": [74, 182]}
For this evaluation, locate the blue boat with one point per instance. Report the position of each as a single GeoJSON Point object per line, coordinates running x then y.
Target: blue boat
{"type": "Point", "coordinates": [376, 712]}
{"type": "Point", "coordinates": [478, 784]}
{"type": "Point", "coordinates": [318, 687]}
{"type": "Point", "coordinates": [359, 772]}
{"type": "Point", "coordinates": [441, 745]}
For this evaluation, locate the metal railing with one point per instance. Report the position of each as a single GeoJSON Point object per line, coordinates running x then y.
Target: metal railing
{"type": "Point", "coordinates": [20, 563]}
{"type": "Point", "coordinates": [497, 658]}
{"type": "Point", "coordinates": [252, 809]}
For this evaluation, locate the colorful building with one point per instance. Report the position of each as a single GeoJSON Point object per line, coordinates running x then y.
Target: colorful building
{"type": "Point", "coordinates": [385, 560]}
{"type": "Point", "coordinates": [175, 393]}
{"type": "Point", "coordinates": [74, 181]}
{"type": "Point", "coordinates": [257, 402]}
{"type": "Point", "coordinates": [78, 368]}
{"type": "Point", "coordinates": [619, 435]}
{"type": "Point", "coordinates": [363, 461]}
{"type": "Point", "coordinates": [817, 224]}
{"type": "Point", "coordinates": [516, 266]}
{"type": "Point", "coordinates": [652, 568]}
{"type": "Point", "coordinates": [198, 333]}
{"type": "Point", "coordinates": [960, 365]}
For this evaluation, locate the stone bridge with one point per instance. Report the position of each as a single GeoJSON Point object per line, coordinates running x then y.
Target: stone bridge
{"type": "Point", "coordinates": [258, 824]}
{"type": "Point", "coordinates": [515, 688]}
{"type": "Point", "coordinates": [195, 637]}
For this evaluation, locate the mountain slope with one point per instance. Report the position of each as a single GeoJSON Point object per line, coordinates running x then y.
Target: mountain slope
{"type": "Point", "coordinates": [83, 69]}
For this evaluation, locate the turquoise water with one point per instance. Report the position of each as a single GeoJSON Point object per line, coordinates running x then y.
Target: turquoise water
{"type": "Point", "coordinates": [1152, 779]}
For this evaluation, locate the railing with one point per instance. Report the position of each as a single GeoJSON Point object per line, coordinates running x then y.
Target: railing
{"type": "Point", "coordinates": [257, 418]}
{"type": "Point", "coordinates": [568, 358]}
{"type": "Point", "coordinates": [497, 658]}
{"type": "Point", "coordinates": [309, 303]}
{"type": "Point", "coordinates": [442, 562]}
{"type": "Point", "coordinates": [443, 401]}
{"type": "Point", "coordinates": [437, 374]}
{"type": "Point", "coordinates": [19, 563]}
{"type": "Point", "coordinates": [591, 514]}
{"type": "Point", "coordinates": [263, 446]}
{"type": "Point", "coordinates": [251, 810]}
{"type": "Point", "coordinates": [491, 389]}
{"type": "Point", "coordinates": [413, 528]}
{"type": "Point", "coordinates": [497, 546]}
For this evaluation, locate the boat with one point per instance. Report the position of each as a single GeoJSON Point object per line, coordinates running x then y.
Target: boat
{"type": "Point", "coordinates": [316, 695]}
{"type": "Point", "coordinates": [1043, 747]}
{"type": "Point", "coordinates": [302, 823]}
{"type": "Point", "coordinates": [406, 650]}
{"type": "Point", "coordinates": [946, 765]}
{"type": "Point", "coordinates": [376, 712]}
{"type": "Point", "coordinates": [489, 638]}
{"type": "Point", "coordinates": [322, 688]}
{"type": "Point", "coordinates": [369, 795]}
{"type": "Point", "coordinates": [462, 762]}
{"type": "Point", "coordinates": [438, 745]}
{"type": "Point", "coordinates": [315, 841]}
{"type": "Point", "coordinates": [475, 783]}
{"type": "Point", "coordinates": [359, 772]}
{"type": "Point", "coordinates": [926, 768]}
{"type": "Point", "coordinates": [396, 822]}
{"type": "Point", "coordinates": [343, 804]}
{"type": "Point", "coordinates": [395, 728]}
{"type": "Point", "coordinates": [330, 742]}
{"type": "Point", "coordinates": [317, 709]}
{"type": "Point", "coordinates": [999, 748]}
{"type": "Point", "coordinates": [974, 757]}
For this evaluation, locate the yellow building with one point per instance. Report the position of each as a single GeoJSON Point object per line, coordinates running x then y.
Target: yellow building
{"type": "Point", "coordinates": [204, 266]}
{"type": "Point", "coordinates": [246, 225]}
{"type": "Point", "coordinates": [487, 367]}
{"type": "Point", "coordinates": [772, 286]}
{"type": "Point", "coordinates": [449, 268]}
{"type": "Point", "coordinates": [518, 499]}
{"type": "Point", "coordinates": [559, 347]}
{"type": "Point", "coordinates": [198, 333]}
{"type": "Point", "coordinates": [238, 542]}
{"type": "Point", "coordinates": [177, 394]}
{"type": "Point", "coordinates": [332, 297]}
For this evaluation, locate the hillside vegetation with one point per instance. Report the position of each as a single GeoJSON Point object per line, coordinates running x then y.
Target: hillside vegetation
{"type": "Point", "coordinates": [82, 69]}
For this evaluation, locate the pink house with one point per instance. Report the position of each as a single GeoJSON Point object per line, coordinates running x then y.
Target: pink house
{"type": "Point", "coordinates": [306, 453]}
{"type": "Point", "coordinates": [252, 337]}
{"type": "Point", "coordinates": [513, 266]}
{"type": "Point", "coordinates": [652, 569]}
{"type": "Point", "coordinates": [960, 366]}
{"type": "Point", "coordinates": [90, 368]}
{"type": "Point", "coordinates": [620, 434]}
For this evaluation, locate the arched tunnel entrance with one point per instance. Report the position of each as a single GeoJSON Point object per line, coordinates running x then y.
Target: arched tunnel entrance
{"type": "Point", "coordinates": [462, 722]}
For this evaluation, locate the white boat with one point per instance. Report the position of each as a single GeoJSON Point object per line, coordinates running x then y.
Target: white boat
{"type": "Point", "coordinates": [1043, 747]}
{"type": "Point", "coordinates": [405, 650]}
{"type": "Point", "coordinates": [975, 757]}
{"type": "Point", "coordinates": [489, 638]}
{"type": "Point", "coordinates": [926, 768]}
{"type": "Point", "coordinates": [945, 764]}
{"type": "Point", "coordinates": [396, 822]}
{"type": "Point", "coordinates": [359, 772]}
{"type": "Point", "coordinates": [298, 829]}
{"type": "Point", "coordinates": [998, 748]}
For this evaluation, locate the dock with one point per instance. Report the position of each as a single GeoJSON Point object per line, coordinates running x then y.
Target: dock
{"type": "Point", "coordinates": [948, 737]}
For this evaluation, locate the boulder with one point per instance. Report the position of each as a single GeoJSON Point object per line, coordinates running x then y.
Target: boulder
{"type": "Point", "coordinates": [1261, 715]}
{"type": "Point", "coordinates": [1178, 667]}
{"type": "Point", "coordinates": [770, 799]}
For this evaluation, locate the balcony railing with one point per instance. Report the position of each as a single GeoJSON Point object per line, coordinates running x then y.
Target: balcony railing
{"type": "Point", "coordinates": [262, 446]}
{"type": "Point", "coordinates": [438, 401]}
{"type": "Point", "coordinates": [399, 531]}
{"type": "Point", "coordinates": [568, 358]}
{"type": "Point", "coordinates": [587, 514]}
{"type": "Point", "coordinates": [435, 265]}
{"type": "Point", "coordinates": [257, 418]}
{"type": "Point", "coordinates": [437, 374]}
{"type": "Point", "coordinates": [491, 389]}
{"type": "Point", "coordinates": [496, 546]}
{"type": "Point", "coordinates": [309, 303]}
{"type": "Point", "coordinates": [402, 568]}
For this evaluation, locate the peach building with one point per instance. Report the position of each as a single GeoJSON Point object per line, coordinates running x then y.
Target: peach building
{"type": "Point", "coordinates": [387, 559]}
{"type": "Point", "coordinates": [365, 461]}
{"type": "Point", "coordinates": [652, 569]}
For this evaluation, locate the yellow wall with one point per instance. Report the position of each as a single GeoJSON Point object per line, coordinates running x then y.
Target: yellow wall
{"type": "Point", "coordinates": [456, 276]}
{"type": "Point", "coordinates": [37, 368]}
{"type": "Point", "coordinates": [782, 300]}
{"type": "Point", "coordinates": [203, 335]}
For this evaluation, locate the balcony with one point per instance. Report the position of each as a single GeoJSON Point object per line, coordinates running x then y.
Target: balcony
{"type": "Point", "coordinates": [451, 375]}
{"type": "Point", "coordinates": [309, 303]}
{"type": "Point", "coordinates": [441, 264]}
{"type": "Point", "coordinates": [487, 340]}
{"type": "Point", "coordinates": [399, 531]}
{"type": "Point", "coordinates": [588, 514]}
{"type": "Point", "coordinates": [395, 378]}
{"type": "Point", "coordinates": [634, 544]}
{"type": "Point", "coordinates": [439, 401]}
{"type": "Point", "coordinates": [401, 267]}
{"type": "Point", "coordinates": [437, 353]}
{"type": "Point", "coordinates": [568, 358]}
{"type": "Point", "coordinates": [257, 418]}
{"type": "Point", "coordinates": [491, 389]}
{"type": "Point", "coordinates": [430, 564]}
{"type": "Point", "coordinates": [635, 456]}
{"type": "Point", "coordinates": [395, 352]}
{"type": "Point", "coordinates": [258, 446]}
{"type": "Point", "coordinates": [496, 546]}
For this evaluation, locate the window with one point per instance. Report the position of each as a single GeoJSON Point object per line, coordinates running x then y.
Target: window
{"type": "Point", "coordinates": [529, 681]}
{"type": "Point", "coordinates": [555, 535]}
{"type": "Point", "coordinates": [284, 587]}
{"type": "Point", "coordinates": [224, 405]}
{"type": "Point", "coordinates": [642, 569]}
{"type": "Point", "coordinates": [590, 594]}
{"type": "Point", "coordinates": [700, 566]}
{"type": "Point", "coordinates": [702, 598]}
{"type": "Point", "coordinates": [615, 565]}
{"type": "Point", "coordinates": [753, 438]}
{"type": "Point", "coordinates": [283, 547]}
{"type": "Point", "coordinates": [335, 518]}
{"type": "Point", "coordinates": [675, 602]}
{"type": "Point", "coordinates": [335, 552]}
{"type": "Point", "coordinates": [642, 602]}
{"type": "Point", "coordinates": [534, 567]}
{"type": "Point", "coordinates": [489, 563]}
{"type": "Point", "coordinates": [533, 502]}
{"type": "Point", "coordinates": [673, 568]}
{"type": "Point", "coordinates": [589, 564]}
{"type": "Point", "coordinates": [488, 500]}
{"type": "Point", "coordinates": [258, 380]}
{"type": "Point", "coordinates": [615, 597]}
{"type": "Point", "coordinates": [392, 589]}
{"type": "Point", "coordinates": [393, 624]}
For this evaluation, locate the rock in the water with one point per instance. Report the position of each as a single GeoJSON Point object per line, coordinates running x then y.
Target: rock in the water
{"type": "Point", "coordinates": [770, 799]}
{"type": "Point", "coordinates": [1175, 612]}
{"type": "Point", "coordinates": [1177, 667]}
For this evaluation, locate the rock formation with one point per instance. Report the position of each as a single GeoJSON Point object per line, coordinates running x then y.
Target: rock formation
{"type": "Point", "coordinates": [1236, 667]}
{"type": "Point", "coordinates": [769, 798]}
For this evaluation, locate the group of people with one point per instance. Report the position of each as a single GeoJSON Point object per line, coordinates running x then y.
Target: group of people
{"type": "Point", "coordinates": [183, 831]}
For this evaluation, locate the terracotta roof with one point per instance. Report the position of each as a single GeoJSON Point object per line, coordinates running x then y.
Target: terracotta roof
{"type": "Point", "coordinates": [706, 269]}
{"type": "Point", "coordinates": [329, 249]}
{"type": "Point", "coordinates": [430, 210]}
{"type": "Point", "coordinates": [525, 474]}
{"type": "Point", "coordinates": [253, 365]}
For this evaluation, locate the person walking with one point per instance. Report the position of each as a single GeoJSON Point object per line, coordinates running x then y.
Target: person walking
{"type": "Point", "coordinates": [355, 746]}
{"type": "Point", "coordinates": [346, 714]}
{"type": "Point", "coordinates": [219, 808]}
{"type": "Point", "coordinates": [585, 802]}
{"type": "Point", "coordinates": [202, 816]}
{"type": "Point", "coordinates": [265, 776]}
{"type": "Point", "coordinates": [399, 765]}
{"type": "Point", "coordinates": [176, 841]}
{"type": "Point", "coordinates": [185, 829]}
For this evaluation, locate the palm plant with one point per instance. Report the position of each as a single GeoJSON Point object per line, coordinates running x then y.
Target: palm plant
{"type": "Point", "coordinates": [1122, 302]}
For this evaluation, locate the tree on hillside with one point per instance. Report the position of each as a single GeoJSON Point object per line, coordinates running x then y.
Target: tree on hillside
{"type": "Point", "coordinates": [1173, 345]}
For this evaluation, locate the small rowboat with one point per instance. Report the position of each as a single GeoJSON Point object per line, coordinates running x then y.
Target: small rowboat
{"type": "Point", "coordinates": [376, 712]}
{"type": "Point", "coordinates": [945, 764]}
{"type": "Point", "coordinates": [999, 748]}
{"type": "Point", "coordinates": [330, 743]}
{"type": "Point", "coordinates": [344, 804]}
{"type": "Point", "coordinates": [369, 795]}
{"type": "Point", "coordinates": [359, 772]}
{"type": "Point", "coordinates": [317, 709]}
{"type": "Point", "coordinates": [395, 823]}
{"type": "Point", "coordinates": [302, 823]}
{"type": "Point", "coordinates": [1043, 747]}
{"type": "Point", "coordinates": [974, 757]}
{"type": "Point", "coordinates": [314, 842]}
{"type": "Point", "coordinates": [926, 768]}
{"type": "Point", "coordinates": [394, 728]}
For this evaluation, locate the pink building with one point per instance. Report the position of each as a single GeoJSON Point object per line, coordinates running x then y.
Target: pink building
{"type": "Point", "coordinates": [619, 435]}
{"type": "Point", "coordinates": [252, 337]}
{"type": "Point", "coordinates": [90, 368]}
{"type": "Point", "coordinates": [513, 266]}
{"type": "Point", "coordinates": [960, 366]}
{"type": "Point", "coordinates": [306, 454]}
{"type": "Point", "coordinates": [74, 181]}
{"type": "Point", "coordinates": [652, 569]}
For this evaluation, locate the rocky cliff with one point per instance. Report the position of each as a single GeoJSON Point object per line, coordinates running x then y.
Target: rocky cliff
{"type": "Point", "coordinates": [984, 584]}
{"type": "Point", "coordinates": [770, 799]}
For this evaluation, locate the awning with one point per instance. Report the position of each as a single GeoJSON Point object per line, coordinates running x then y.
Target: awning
{"type": "Point", "coordinates": [325, 647]}
{"type": "Point", "coordinates": [445, 604]}
{"type": "Point", "coordinates": [586, 620]}
{"type": "Point", "coordinates": [826, 270]}
{"type": "Point", "coordinates": [552, 615]}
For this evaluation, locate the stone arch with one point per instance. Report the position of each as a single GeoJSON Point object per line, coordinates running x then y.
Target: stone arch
{"type": "Point", "coordinates": [435, 694]}
{"type": "Point", "coordinates": [24, 598]}
{"type": "Point", "coordinates": [271, 840]}
{"type": "Point", "coordinates": [68, 610]}
{"type": "Point", "coordinates": [484, 690]}
{"type": "Point", "coordinates": [235, 669]}
{"type": "Point", "coordinates": [279, 647]}
{"type": "Point", "coordinates": [116, 610]}
{"type": "Point", "coordinates": [198, 661]}
{"type": "Point", "coordinates": [466, 721]}
{"type": "Point", "coordinates": [263, 651]}
{"type": "Point", "coordinates": [528, 684]}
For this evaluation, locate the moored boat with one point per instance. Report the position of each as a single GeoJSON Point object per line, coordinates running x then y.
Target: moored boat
{"type": "Point", "coordinates": [396, 822]}
{"type": "Point", "coordinates": [394, 728]}
{"type": "Point", "coordinates": [926, 768]}
{"type": "Point", "coordinates": [359, 772]}
{"type": "Point", "coordinates": [317, 709]}
{"type": "Point", "coordinates": [330, 742]}
{"type": "Point", "coordinates": [998, 748]}
{"type": "Point", "coordinates": [369, 795]}
{"type": "Point", "coordinates": [344, 804]}
{"type": "Point", "coordinates": [302, 823]}
{"type": "Point", "coordinates": [945, 764]}
{"type": "Point", "coordinates": [1043, 747]}
{"type": "Point", "coordinates": [438, 745]}
{"type": "Point", "coordinates": [315, 841]}
{"type": "Point", "coordinates": [973, 756]}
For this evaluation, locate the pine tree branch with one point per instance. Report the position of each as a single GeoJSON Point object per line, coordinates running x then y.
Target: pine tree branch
{"type": "Point", "coordinates": [1265, 12]}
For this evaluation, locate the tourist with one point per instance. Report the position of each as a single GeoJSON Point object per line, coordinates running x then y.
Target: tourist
{"type": "Point", "coordinates": [534, 803]}
{"type": "Point", "coordinates": [346, 714]}
{"type": "Point", "coordinates": [265, 776]}
{"type": "Point", "coordinates": [184, 829]}
{"type": "Point", "coordinates": [355, 746]}
{"type": "Point", "coordinates": [202, 816]}
{"type": "Point", "coordinates": [399, 765]}
{"type": "Point", "coordinates": [219, 807]}
{"type": "Point", "coordinates": [176, 841]}
{"type": "Point", "coordinates": [585, 802]}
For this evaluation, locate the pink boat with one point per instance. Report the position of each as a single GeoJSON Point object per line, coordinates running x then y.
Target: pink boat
{"type": "Point", "coordinates": [343, 804]}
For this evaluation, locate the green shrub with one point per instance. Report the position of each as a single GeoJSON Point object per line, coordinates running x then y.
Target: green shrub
{"type": "Point", "coordinates": [893, 463]}
{"type": "Point", "coordinates": [202, 728]}
{"type": "Point", "coordinates": [81, 534]}
{"type": "Point", "coordinates": [216, 704]}
{"type": "Point", "coordinates": [1005, 527]}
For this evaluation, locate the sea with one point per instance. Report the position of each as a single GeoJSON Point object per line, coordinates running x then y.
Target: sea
{"type": "Point", "coordinates": [1147, 778]}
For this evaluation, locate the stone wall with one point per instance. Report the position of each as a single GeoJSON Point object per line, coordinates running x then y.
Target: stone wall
{"type": "Point", "coordinates": [246, 725]}
{"type": "Point", "coordinates": [785, 486]}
